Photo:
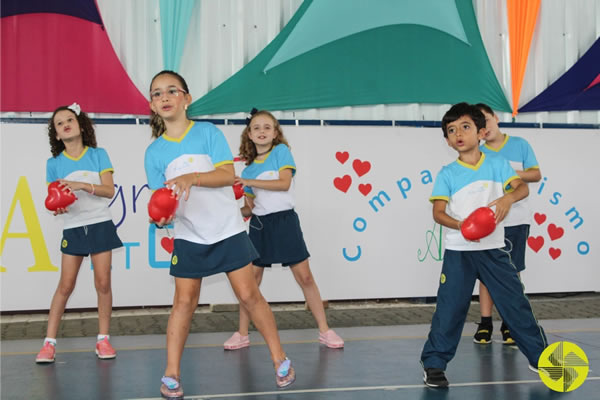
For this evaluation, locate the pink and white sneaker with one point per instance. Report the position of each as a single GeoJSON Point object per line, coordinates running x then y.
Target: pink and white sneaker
{"type": "Point", "coordinates": [331, 339]}
{"type": "Point", "coordinates": [236, 341]}
{"type": "Point", "coordinates": [46, 354]}
{"type": "Point", "coordinates": [104, 350]}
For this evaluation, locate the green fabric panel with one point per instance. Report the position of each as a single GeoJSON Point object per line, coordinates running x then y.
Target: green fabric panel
{"type": "Point", "coordinates": [387, 65]}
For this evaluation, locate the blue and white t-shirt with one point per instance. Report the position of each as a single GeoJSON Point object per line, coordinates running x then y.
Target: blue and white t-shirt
{"type": "Point", "coordinates": [88, 209]}
{"type": "Point", "coordinates": [210, 214]}
{"type": "Point", "coordinates": [521, 157]}
{"type": "Point", "coordinates": [271, 201]}
{"type": "Point", "coordinates": [467, 187]}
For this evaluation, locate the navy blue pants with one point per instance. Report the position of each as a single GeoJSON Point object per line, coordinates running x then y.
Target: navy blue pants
{"type": "Point", "coordinates": [493, 267]}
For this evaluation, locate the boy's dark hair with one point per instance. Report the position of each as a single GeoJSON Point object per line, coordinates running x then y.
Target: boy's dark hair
{"type": "Point", "coordinates": [88, 135]}
{"type": "Point", "coordinates": [156, 122]}
{"type": "Point", "coordinates": [485, 107]}
{"type": "Point", "coordinates": [459, 110]}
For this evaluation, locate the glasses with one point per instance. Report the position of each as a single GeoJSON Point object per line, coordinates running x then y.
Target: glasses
{"type": "Point", "coordinates": [170, 92]}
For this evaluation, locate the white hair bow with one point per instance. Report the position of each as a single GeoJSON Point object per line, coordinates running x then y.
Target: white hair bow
{"type": "Point", "coordinates": [75, 108]}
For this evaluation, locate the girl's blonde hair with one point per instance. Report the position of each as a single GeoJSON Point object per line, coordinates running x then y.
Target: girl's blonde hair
{"type": "Point", "coordinates": [156, 122]}
{"type": "Point", "coordinates": [247, 146]}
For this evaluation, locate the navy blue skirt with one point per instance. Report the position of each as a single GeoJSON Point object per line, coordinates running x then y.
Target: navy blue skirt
{"type": "Point", "coordinates": [194, 260]}
{"type": "Point", "coordinates": [278, 239]}
{"type": "Point", "coordinates": [90, 239]}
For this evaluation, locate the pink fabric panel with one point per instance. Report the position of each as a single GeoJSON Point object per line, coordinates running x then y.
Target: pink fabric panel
{"type": "Point", "coordinates": [49, 60]}
{"type": "Point", "coordinates": [594, 82]}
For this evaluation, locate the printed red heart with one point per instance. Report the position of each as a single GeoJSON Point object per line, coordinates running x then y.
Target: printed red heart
{"type": "Point", "coordinates": [238, 191]}
{"type": "Point", "coordinates": [555, 232]}
{"type": "Point", "coordinates": [342, 184]}
{"type": "Point", "coordinates": [365, 189]}
{"type": "Point", "coordinates": [167, 244]}
{"type": "Point", "coordinates": [554, 253]}
{"type": "Point", "coordinates": [479, 224]}
{"type": "Point", "coordinates": [342, 156]}
{"type": "Point", "coordinates": [162, 204]}
{"type": "Point", "coordinates": [58, 198]}
{"type": "Point", "coordinates": [539, 218]}
{"type": "Point", "coordinates": [361, 167]}
{"type": "Point", "coordinates": [535, 242]}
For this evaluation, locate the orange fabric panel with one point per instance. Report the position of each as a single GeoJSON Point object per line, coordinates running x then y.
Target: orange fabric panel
{"type": "Point", "coordinates": [522, 16]}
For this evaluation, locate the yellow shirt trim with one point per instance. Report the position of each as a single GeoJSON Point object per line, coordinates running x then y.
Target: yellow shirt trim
{"type": "Point", "coordinates": [223, 163]}
{"type": "Point", "coordinates": [499, 148]}
{"type": "Point", "coordinates": [434, 198]}
{"type": "Point", "coordinates": [506, 186]}
{"type": "Point", "coordinates": [264, 159]}
{"type": "Point", "coordinates": [473, 167]}
{"type": "Point", "coordinates": [180, 138]}
{"type": "Point", "coordinates": [85, 149]}
{"type": "Point", "coordinates": [107, 170]}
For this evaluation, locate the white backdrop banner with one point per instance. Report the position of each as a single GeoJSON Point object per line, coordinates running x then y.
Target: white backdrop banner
{"type": "Point", "coordinates": [362, 198]}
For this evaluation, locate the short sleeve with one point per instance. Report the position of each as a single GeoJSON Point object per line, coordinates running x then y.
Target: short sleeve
{"type": "Point", "coordinates": [529, 160]}
{"type": "Point", "coordinates": [284, 158]}
{"type": "Point", "coordinates": [248, 191]}
{"type": "Point", "coordinates": [104, 162]}
{"type": "Point", "coordinates": [154, 174]}
{"type": "Point", "coordinates": [441, 187]}
{"type": "Point", "coordinates": [51, 174]}
{"type": "Point", "coordinates": [508, 173]}
{"type": "Point", "coordinates": [219, 152]}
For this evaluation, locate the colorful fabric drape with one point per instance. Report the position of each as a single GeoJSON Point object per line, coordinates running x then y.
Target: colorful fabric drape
{"type": "Point", "coordinates": [366, 61]}
{"type": "Point", "coordinates": [57, 52]}
{"type": "Point", "coordinates": [576, 89]}
{"type": "Point", "coordinates": [174, 22]}
{"type": "Point", "coordinates": [522, 16]}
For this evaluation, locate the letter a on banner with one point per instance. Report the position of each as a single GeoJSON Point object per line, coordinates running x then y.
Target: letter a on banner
{"type": "Point", "coordinates": [34, 230]}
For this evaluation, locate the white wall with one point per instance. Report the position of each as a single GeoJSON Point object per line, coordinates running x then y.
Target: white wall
{"type": "Point", "coordinates": [398, 251]}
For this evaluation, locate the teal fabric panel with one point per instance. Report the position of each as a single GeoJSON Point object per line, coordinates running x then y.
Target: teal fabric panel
{"type": "Point", "coordinates": [389, 64]}
{"type": "Point", "coordinates": [174, 22]}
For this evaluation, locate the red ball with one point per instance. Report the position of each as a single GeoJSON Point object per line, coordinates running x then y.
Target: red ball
{"type": "Point", "coordinates": [238, 191]}
{"type": "Point", "coordinates": [58, 198]}
{"type": "Point", "coordinates": [162, 204]}
{"type": "Point", "coordinates": [479, 224]}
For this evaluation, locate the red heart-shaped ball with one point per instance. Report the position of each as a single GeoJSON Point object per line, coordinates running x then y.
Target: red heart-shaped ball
{"type": "Point", "coordinates": [58, 198]}
{"type": "Point", "coordinates": [238, 191]}
{"type": "Point", "coordinates": [162, 204]}
{"type": "Point", "coordinates": [479, 224]}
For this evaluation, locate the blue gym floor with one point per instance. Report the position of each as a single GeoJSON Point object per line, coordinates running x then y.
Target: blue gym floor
{"type": "Point", "coordinates": [377, 363]}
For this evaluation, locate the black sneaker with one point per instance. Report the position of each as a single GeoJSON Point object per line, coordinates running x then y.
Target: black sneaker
{"type": "Point", "coordinates": [435, 377]}
{"type": "Point", "coordinates": [506, 337]}
{"type": "Point", "coordinates": [483, 334]}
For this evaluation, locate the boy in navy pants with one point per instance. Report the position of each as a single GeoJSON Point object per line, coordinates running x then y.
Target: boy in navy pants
{"type": "Point", "coordinates": [475, 180]}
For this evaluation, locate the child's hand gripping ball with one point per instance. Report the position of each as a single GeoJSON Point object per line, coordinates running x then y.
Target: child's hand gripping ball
{"type": "Point", "coordinates": [238, 191]}
{"type": "Point", "coordinates": [58, 198]}
{"type": "Point", "coordinates": [479, 224]}
{"type": "Point", "coordinates": [162, 204]}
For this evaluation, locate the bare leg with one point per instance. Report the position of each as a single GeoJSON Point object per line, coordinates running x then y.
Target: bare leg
{"type": "Point", "coordinates": [185, 301]}
{"type": "Point", "coordinates": [309, 287]}
{"type": "Point", "coordinates": [485, 301]}
{"type": "Point", "coordinates": [68, 276]}
{"type": "Point", "coordinates": [102, 281]}
{"type": "Point", "coordinates": [244, 285]}
{"type": "Point", "coordinates": [244, 315]}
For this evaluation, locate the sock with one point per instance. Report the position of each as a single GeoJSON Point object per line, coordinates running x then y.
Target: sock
{"type": "Point", "coordinates": [486, 321]}
{"type": "Point", "coordinates": [52, 341]}
{"type": "Point", "coordinates": [503, 327]}
{"type": "Point", "coordinates": [101, 337]}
